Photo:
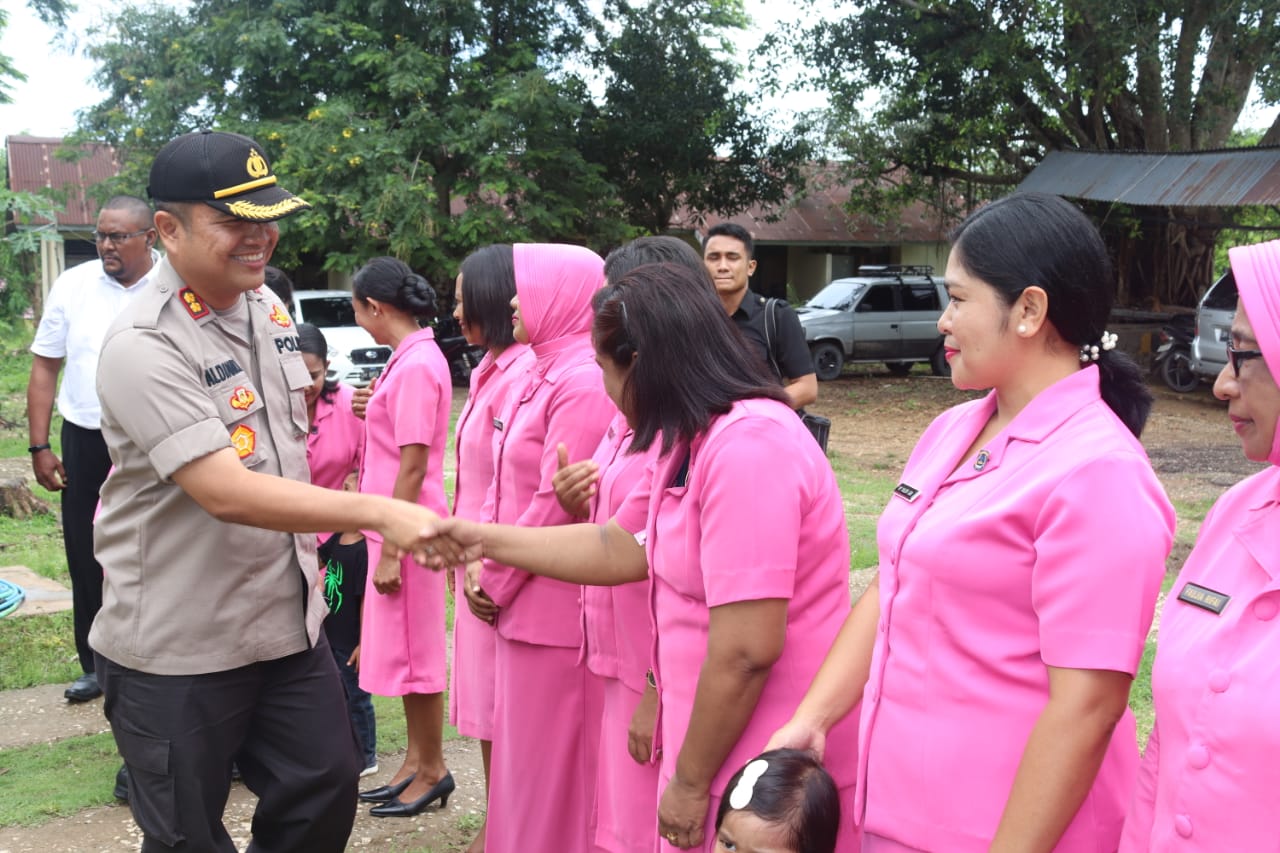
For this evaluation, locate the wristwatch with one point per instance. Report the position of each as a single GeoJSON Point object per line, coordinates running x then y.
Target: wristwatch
{"type": "Point", "coordinates": [36, 448]}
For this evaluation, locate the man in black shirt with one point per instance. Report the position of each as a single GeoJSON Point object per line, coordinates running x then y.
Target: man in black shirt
{"type": "Point", "coordinates": [728, 255]}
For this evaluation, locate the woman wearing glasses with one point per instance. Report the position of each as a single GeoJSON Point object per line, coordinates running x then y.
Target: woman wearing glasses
{"type": "Point", "coordinates": [1212, 767]}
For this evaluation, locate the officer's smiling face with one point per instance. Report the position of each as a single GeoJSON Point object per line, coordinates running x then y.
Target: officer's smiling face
{"type": "Point", "coordinates": [215, 253]}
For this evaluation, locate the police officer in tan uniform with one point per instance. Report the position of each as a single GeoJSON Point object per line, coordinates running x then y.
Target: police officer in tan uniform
{"type": "Point", "coordinates": [208, 642]}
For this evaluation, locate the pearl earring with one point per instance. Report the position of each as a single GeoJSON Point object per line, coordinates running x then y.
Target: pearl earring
{"type": "Point", "coordinates": [1022, 328]}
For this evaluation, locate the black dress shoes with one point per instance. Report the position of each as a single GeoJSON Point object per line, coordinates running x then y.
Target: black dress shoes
{"type": "Point", "coordinates": [394, 808]}
{"type": "Point", "coordinates": [121, 791]}
{"type": "Point", "coordinates": [83, 689]}
{"type": "Point", "coordinates": [387, 792]}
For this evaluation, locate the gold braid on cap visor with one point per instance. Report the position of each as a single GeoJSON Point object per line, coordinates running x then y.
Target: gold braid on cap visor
{"type": "Point", "coordinates": [253, 210]}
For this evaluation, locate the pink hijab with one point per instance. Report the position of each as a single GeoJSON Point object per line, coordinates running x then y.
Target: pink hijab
{"type": "Point", "coordinates": [555, 283]}
{"type": "Point", "coordinates": [1257, 273]}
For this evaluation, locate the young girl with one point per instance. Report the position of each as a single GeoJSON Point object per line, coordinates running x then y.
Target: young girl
{"type": "Point", "coordinates": [346, 564]}
{"type": "Point", "coordinates": [782, 800]}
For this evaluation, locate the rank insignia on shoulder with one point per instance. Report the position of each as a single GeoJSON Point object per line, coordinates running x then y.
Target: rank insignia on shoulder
{"type": "Point", "coordinates": [243, 440]}
{"type": "Point", "coordinates": [242, 398]}
{"type": "Point", "coordinates": [194, 305]}
{"type": "Point", "coordinates": [280, 317]}
{"type": "Point", "coordinates": [1202, 596]}
{"type": "Point", "coordinates": [907, 493]}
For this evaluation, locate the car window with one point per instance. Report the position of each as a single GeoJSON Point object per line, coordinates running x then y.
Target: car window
{"type": "Point", "coordinates": [1222, 296]}
{"type": "Point", "coordinates": [837, 295]}
{"type": "Point", "coordinates": [328, 312]}
{"type": "Point", "coordinates": [878, 298]}
{"type": "Point", "coordinates": [920, 297]}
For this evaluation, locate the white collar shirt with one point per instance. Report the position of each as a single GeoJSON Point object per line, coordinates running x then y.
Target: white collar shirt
{"type": "Point", "coordinates": [80, 306]}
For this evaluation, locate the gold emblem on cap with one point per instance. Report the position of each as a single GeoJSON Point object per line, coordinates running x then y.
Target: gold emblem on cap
{"type": "Point", "coordinates": [251, 210]}
{"type": "Point", "coordinates": [256, 166]}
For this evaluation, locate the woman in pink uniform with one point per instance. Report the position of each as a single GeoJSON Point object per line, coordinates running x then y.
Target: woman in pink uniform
{"type": "Point", "coordinates": [485, 287]}
{"type": "Point", "coordinates": [402, 643]}
{"type": "Point", "coordinates": [543, 771]}
{"type": "Point", "coordinates": [1211, 773]}
{"type": "Point", "coordinates": [1020, 560]}
{"type": "Point", "coordinates": [618, 634]}
{"type": "Point", "coordinates": [741, 522]}
{"type": "Point", "coordinates": [337, 435]}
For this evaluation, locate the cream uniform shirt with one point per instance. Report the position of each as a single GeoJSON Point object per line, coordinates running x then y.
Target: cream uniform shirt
{"type": "Point", "coordinates": [184, 593]}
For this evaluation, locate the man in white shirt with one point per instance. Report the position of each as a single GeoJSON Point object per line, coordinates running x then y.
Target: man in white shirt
{"type": "Point", "coordinates": [81, 305]}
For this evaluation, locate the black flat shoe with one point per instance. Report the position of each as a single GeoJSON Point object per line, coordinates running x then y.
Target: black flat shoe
{"type": "Point", "coordinates": [83, 688]}
{"type": "Point", "coordinates": [394, 808]}
{"type": "Point", "coordinates": [386, 793]}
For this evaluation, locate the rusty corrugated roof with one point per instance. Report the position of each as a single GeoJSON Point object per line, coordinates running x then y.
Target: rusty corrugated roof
{"type": "Point", "coordinates": [34, 166]}
{"type": "Point", "coordinates": [1227, 178]}
{"type": "Point", "coordinates": [819, 218]}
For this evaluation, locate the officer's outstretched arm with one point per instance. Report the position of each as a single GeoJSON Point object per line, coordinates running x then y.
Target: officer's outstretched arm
{"type": "Point", "coordinates": [229, 492]}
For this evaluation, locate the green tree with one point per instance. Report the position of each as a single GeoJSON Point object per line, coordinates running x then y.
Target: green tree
{"type": "Point", "coordinates": [418, 130]}
{"type": "Point", "coordinates": [973, 93]}
{"type": "Point", "coordinates": [670, 131]}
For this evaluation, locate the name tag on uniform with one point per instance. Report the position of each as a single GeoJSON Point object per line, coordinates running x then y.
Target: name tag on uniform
{"type": "Point", "coordinates": [907, 493]}
{"type": "Point", "coordinates": [1204, 597]}
{"type": "Point", "coordinates": [497, 424]}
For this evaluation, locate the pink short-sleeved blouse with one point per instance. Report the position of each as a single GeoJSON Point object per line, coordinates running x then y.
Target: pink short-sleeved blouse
{"type": "Point", "coordinates": [1047, 549]}
{"type": "Point", "coordinates": [335, 440]}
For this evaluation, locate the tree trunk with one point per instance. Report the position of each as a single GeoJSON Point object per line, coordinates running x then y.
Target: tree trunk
{"type": "Point", "coordinates": [17, 501]}
{"type": "Point", "coordinates": [1164, 261]}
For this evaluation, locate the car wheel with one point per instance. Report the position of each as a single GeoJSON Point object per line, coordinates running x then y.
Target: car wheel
{"type": "Point", "coordinates": [1176, 372]}
{"type": "Point", "coordinates": [938, 362]}
{"type": "Point", "coordinates": [898, 368]}
{"type": "Point", "coordinates": [828, 361]}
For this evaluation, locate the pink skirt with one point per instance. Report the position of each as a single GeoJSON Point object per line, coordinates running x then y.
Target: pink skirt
{"type": "Point", "coordinates": [626, 792]}
{"type": "Point", "coordinates": [471, 683]}
{"type": "Point", "coordinates": [402, 638]}
{"type": "Point", "coordinates": [542, 779]}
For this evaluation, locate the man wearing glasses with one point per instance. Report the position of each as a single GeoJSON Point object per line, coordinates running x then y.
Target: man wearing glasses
{"type": "Point", "coordinates": [81, 305]}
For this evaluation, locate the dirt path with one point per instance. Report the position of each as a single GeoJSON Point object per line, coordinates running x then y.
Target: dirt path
{"type": "Point", "coordinates": [876, 420]}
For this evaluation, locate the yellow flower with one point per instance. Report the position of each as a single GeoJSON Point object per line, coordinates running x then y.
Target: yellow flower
{"type": "Point", "coordinates": [355, 161]}
{"type": "Point", "coordinates": [137, 132]}
{"type": "Point", "coordinates": [333, 149]}
{"type": "Point", "coordinates": [347, 133]}
{"type": "Point", "coordinates": [273, 136]}
{"type": "Point", "coordinates": [315, 114]}
{"type": "Point", "coordinates": [148, 82]}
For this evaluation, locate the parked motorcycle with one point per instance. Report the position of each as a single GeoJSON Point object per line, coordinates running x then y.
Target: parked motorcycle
{"type": "Point", "coordinates": [1173, 357]}
{"type": "Point", "coordinates": [462, 356]}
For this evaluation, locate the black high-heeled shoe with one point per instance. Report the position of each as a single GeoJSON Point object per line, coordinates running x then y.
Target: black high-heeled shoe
{"type": "Point", "coordinates": [386, 793]}
{"type": "Point", "coordinates": [439, 791]}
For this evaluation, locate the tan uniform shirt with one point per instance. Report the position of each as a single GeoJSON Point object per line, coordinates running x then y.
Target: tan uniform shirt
{"type": "Point", "coordinates": [185, 593]}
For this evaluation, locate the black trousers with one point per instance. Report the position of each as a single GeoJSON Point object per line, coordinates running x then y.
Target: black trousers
{"type": "Point", "coordinates": [283, 722]}
{"type": "Point", "coordinates": [85, 459]}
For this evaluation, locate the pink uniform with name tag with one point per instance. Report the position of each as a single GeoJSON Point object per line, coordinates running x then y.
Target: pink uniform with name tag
{"type": "Point", "coordinates": [1211, 772]}
{"type": "Point", "coordinates": [1047, 549]}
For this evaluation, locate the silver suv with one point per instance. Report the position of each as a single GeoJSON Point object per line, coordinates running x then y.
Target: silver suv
{"type": "Point", "coordinates": [884, 313]}
{"type": "Point", "coordinates": [1214, 314]}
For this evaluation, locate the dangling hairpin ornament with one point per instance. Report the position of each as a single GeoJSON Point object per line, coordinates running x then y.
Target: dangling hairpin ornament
{"type": "Point", "coordinates": [741, 796]}
{"type": "Point", "coordinates": [1090, 352]}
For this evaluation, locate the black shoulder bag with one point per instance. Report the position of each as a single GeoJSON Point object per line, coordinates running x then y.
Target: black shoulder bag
{"type": "Point", "coordinates": [818, 426]}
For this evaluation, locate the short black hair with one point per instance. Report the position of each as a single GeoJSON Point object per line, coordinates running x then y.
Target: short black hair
{"type": "Point", "coordinates": [652, 250]}
{"type": "Point", "coordinates": [669, 327]}
{"type": "Point", "coordinates": [280, 284]}
{"type": "Point", "coordinates": [795, 792]}
{"type": "Point", "coordinates": [134, 205]}
{"type": "Point", "coordinates": [488, 286]}
{"type": "Point", "coordinates": [737, 232]}
{"type": "Point", "coordinates": [391, 282]}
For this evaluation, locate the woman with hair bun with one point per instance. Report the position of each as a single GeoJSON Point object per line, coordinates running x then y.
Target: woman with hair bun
{"type": "Point", "coordinates": [1020, 560]}
{"type": "Point", "coordinates": [402, 648]}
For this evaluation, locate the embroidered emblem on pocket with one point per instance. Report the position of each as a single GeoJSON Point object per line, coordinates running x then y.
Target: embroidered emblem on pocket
{"type": "Point", "coordinates": [242, 398]}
